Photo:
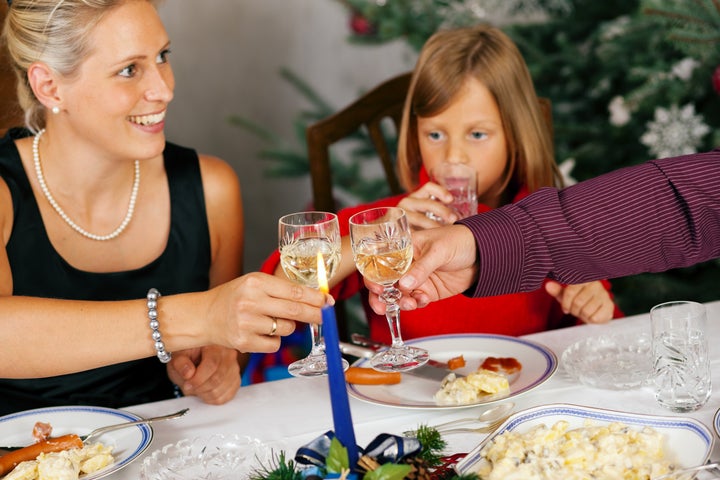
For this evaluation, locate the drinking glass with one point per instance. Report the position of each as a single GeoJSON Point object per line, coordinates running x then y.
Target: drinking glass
{"type": "Point", "coordinates": [302, 236]}
{"type": "Point", "coordinates": [460, 180]}
{"type": "Point", "coordinates": [681, 365]}
{"type": "Point", "coordinates": [382, 249]}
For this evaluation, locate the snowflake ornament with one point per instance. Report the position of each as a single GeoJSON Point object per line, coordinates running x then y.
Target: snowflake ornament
{"type": "Point", "coordinates": [498, 12]}
{"type": "Point", "coordinates": [674, 132]}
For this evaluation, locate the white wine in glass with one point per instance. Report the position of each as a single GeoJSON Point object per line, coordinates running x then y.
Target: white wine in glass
{"type": "Point", "coordinates": [302, 236]}
{"type": "Point", "coordinates": [382, 248]}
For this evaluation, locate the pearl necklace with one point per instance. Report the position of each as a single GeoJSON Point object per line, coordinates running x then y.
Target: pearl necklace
{"type": "Point", "coordinates": [61, 212]}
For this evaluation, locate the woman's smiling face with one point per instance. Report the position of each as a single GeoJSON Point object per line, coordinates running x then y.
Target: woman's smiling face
{"type": "Point", "coordinates": [120, 94]}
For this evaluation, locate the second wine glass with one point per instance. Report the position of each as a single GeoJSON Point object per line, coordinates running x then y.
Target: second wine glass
{"type": "Point", "coordinates": [382, 249]}
{"type": "Point", "coordinates": [302, 236]}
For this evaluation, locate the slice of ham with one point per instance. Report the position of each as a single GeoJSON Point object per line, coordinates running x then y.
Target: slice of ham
{"type": "Point", "coordinates": [41, 431]}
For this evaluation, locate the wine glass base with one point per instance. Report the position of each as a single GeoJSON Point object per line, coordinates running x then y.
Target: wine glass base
{"type": "Point", "coordinates": [399, 359]}
{"type": "Point", "coordinates": [312, 366]}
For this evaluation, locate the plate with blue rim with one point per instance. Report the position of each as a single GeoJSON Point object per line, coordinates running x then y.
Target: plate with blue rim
{"type": "Point", "coordinates": [127, 443]}
{"type": "Point", "coordinates": [538, 364]}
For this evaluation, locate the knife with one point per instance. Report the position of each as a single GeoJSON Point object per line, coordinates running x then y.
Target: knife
{"type": "Point", "coordinates": [433, 370]}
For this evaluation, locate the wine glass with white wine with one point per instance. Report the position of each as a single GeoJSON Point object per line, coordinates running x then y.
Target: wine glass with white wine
{"type": "Point", "coordinates": [382, 248]}
{"type": "Point", "coordinates": [301, 237]}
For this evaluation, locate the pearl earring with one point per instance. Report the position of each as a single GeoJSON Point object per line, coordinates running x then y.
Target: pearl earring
{"type": "Point", "coordinates": [55, 109]}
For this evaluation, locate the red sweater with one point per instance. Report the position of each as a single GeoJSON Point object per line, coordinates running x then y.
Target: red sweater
{"type": "Point", "coordinates": [513, 314]}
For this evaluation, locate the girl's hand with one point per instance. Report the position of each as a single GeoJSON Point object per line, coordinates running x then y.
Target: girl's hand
{"type": "Point", "coordinates": [590, 302]}
{"type": "Point", "coordinates": [427, 207]}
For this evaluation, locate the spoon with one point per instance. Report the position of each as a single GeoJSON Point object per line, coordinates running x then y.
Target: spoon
{"type": "Point", "coordinates": [109, 428]}
{"type": "Point", "coordinates": [489, 416]}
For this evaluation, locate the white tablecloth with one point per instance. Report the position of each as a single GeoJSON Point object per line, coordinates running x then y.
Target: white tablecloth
{"type": "Point", "coordinates": [288, 413]}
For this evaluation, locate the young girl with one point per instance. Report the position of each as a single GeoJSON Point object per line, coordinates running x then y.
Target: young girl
{"type": "Point", "coordinates": [471, 100]}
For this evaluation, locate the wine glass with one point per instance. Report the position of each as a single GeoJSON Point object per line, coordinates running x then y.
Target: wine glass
{"type": "Point", "coordinates": [382, 248]}
{"type": "Point", "coordinates": [301, 236]}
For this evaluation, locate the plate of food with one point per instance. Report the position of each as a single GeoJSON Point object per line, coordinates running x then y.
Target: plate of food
{"type": "Point", "coordinates": [535, 365]}
{"type": "Point", "coordinates": [585, 442]}
{"type": "Point", "coordinates": [125, 444]}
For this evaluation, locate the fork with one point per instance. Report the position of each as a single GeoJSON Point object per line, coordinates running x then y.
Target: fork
{"type": "Point", "coordinates": [444, 430]}
{"type": "Point", "coordinates": [684, 474]}
{"type": "Point", "coordinates": [109, 428]}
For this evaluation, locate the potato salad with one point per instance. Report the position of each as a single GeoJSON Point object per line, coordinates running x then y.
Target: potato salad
{"type": "Point", "coordinates": [601, 452]}
{"type": "Point", "coordinates": [64, 465]}
{"type": "Point", "coordinates": [463, 390]}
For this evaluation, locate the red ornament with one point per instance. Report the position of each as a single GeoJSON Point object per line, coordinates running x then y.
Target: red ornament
{"type": "Point", "coordinates": [716, 79]}
{"type": "Point", "coordinates": [360, 25]}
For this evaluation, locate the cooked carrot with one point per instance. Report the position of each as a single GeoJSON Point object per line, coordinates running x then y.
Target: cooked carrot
{"type": "Point", "coordinates": [456, 362]}
{"type": "Point", "coordinates": [370, 376]}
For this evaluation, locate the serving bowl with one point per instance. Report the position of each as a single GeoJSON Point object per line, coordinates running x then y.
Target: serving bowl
{"type": "Point", "coordinates": [687, 441]}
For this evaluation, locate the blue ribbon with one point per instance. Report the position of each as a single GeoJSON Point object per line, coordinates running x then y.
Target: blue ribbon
{"type": "Point", "coordinates": [385, 448]}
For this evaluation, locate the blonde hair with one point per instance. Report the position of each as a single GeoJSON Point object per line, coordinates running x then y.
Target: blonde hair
{"type": "Point", "coordinates": [54, 32]}
{"type": "Point", "coordinates": [484, 52]}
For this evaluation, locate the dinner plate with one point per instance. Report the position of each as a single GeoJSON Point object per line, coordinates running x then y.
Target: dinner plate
{"type": "Point", "coordinates": [538, 365]}
{"type": "Point", "coordinates": [614, 362]}
{"type": "Point", "coordinates": [127, 443]}
{"type": "Point", "coordinates": [687, 441]}
{"type": "Point", "coordinates": [716, 422]}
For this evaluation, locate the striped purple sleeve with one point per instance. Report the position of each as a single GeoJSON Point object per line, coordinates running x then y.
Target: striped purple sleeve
{"type": "Point", "coordinates": [651, 217]}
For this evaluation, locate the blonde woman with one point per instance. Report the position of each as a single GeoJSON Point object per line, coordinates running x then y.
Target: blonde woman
{"type": "Point", "coordinates": [120, 273]}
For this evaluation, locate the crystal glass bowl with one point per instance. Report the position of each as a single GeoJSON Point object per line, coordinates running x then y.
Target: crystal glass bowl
{"type": "Point", "coordinates": [217, 457]}
{"type": "Point", "coordinates": [615, 362]}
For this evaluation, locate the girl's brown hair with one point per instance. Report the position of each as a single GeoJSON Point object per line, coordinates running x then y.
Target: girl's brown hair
{"type": "Point", "coordinates": [446, 61]}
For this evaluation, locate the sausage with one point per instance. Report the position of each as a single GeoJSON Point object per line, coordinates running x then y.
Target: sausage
{"type": "Point", "coordinates": [41, 431]}
{"type": "Point", "coordinates": [456, 362]}
{"type": "Point", "coordinates": [10, 460]}
{"type": "Point", "coordinates": [370, 376]}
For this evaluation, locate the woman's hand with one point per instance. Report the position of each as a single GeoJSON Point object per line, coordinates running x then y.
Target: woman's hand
{"type": "Point", "coordinates": [211, 373]}
{"type": "Point", "coordinates": [252, 312]}
{"type": "Point", "coordinates": [427, 207]}
{"type": "Point", "coordinates": [590, 302]}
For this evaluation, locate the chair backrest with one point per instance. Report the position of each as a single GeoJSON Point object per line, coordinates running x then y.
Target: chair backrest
{"type": "Point", "coordinates": [10, 113]}
{"type": "Point", "coordinates": [385, 101]}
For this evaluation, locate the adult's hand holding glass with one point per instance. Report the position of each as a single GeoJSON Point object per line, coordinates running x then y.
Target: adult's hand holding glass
{"type": "Point", "coordinates": [444, 264]}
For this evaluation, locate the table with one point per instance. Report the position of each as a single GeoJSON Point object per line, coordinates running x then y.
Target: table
{"type": "Point", "coordinates": [289, 413]}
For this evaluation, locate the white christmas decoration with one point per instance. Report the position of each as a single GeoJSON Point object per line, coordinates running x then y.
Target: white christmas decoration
{"type": "Point", "coordinates": [566, 167]}
{"type": "Point", "coordinates": [499, 12]}
{"type": "Point", "coordinates": [674, 131]}
{"type": "Point", "coordinates": [684, 68]}
{"type": "Point", "coordinates": [619, 112]}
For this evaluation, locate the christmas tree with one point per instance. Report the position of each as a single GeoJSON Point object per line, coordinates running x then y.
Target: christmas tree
{"type": "Point", "coordinates": [629, 81]}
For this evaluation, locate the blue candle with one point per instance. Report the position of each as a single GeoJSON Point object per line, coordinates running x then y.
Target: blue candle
{"type": "Point", "coordinates": [342, 419]}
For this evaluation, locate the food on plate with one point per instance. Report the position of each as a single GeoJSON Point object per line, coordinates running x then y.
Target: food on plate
{"type": "Point", "coordinates": [601, 452]}
{"type": "Point", "coordinates": [456, 390]}
{"type": "Point", "coordinates": [31, 452]}
{"type": "Point", "coordinates": [41, 431]}
{"type": "Point", "coordinates": [507, 365]}
{"type": "Point", "coordinates": [64, 465]}
{"type": "Point", "coordinates": [370, 376]}
{"type": "Point", "coordinates": [456, 362]}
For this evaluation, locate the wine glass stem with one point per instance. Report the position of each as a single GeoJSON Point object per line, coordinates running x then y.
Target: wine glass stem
{"type": "Point", "coordinates": [318, 346]}
{"type": "Point", "coordinates": [392, 312]}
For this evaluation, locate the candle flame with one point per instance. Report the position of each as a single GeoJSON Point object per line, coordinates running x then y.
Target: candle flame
{"type": "Point", "coordinates": [321, 275]}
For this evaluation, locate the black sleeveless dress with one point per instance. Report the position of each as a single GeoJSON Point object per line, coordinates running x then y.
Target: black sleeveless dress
{"type": "Point", "coordinates": [38, 270]}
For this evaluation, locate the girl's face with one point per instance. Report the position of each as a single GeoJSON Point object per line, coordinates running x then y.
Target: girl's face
{"type": "Point", "coordinates": [119, 98]}
{"type": "Point", "coordinates": [468, 131]}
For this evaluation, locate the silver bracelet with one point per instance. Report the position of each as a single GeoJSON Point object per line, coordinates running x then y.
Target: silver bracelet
{"type": "Point", "coordinates": [152, 298]}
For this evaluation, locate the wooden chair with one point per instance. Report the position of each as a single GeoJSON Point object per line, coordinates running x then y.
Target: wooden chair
{"type": "Point", "coordinates": [385, 101]}
{"type": "Point", "coordinates": [10, 113]}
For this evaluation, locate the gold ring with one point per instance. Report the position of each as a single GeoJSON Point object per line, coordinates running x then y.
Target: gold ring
{"type": "Point", "coordinates": [274, 327]}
